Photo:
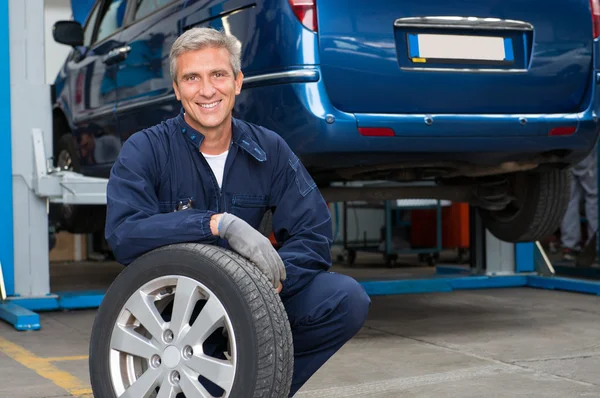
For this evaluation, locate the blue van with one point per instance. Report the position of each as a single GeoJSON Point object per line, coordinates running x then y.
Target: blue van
{"type": "Point", "coordinates": [487, 102]}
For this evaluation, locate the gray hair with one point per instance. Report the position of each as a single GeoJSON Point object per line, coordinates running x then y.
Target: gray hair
{"type": "Point", "coordinates": [199, 38]}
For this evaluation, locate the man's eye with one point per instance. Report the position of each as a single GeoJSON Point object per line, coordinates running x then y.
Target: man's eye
{"type": "Point", "coordinates": [218, 74]}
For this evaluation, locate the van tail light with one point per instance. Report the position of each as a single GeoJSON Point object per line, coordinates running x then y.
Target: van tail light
{"type": "Point", "coordinates": [561, 131]}
{"type": "Point", "coordinates": [595, 6]}
{"type": "Point", "coordinates": [306, 12]}
{"type": "Point", "coordinates": [376, 132]}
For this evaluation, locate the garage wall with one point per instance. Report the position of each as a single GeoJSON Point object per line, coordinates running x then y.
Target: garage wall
{"type": "Point", "coordinates": [55, 10]}
{"type": "Point", "coordinates": [363, 223]}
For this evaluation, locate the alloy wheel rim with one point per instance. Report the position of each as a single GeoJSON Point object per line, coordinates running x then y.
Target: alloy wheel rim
{"type": "Point", "coordinates": [157, 345]}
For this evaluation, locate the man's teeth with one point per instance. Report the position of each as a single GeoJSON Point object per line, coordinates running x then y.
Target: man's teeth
{"type": "Point", "coordinates": [208, 106]}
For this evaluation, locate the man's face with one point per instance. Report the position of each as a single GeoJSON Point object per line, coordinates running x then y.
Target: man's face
{"type": "Point", "coordinates": [206, 87]}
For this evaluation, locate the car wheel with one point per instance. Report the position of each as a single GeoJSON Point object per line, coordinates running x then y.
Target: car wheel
{"type": "Point", "coordinates": [191, 320]}
{"type": "Point", "coordinates": [77, 219]}
{"type": "Point", "coordinates": [540, 202]}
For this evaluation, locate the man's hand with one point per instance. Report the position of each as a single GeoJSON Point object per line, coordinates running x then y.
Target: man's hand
{"type": "Point", "coordinates": [251, 244]}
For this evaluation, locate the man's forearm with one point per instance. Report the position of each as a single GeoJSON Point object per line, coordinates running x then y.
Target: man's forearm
{"type": "Point", "coordinates": [130, 237]}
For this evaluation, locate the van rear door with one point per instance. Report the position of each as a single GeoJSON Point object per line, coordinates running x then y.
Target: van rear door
{"type": "Point", "coordinates": [488, 57]}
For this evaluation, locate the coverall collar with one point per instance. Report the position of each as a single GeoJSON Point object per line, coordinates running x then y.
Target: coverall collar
{"type": "Point", "coordinates": [239, 137]}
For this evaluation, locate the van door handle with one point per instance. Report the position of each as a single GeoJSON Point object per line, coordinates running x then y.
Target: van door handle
{"type": "Point", "coordinates": [116, 55]}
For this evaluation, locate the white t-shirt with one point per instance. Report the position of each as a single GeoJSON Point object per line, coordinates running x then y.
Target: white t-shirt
{"type": "Point", "coordinates": [217, 164]}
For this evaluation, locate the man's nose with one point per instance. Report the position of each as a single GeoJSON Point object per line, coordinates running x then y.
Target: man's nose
{"type": "Point", "coordinates": [207, 89]}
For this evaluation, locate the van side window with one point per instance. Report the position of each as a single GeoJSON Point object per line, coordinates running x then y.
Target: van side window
{"type": "Point", "coordinates": [88, 31]}
{"type": "Point", "coordinates": [112, 20]}
{"type": "Point", "coordinates": [146, 7]}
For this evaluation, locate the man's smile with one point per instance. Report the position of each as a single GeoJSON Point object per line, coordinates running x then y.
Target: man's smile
{"type": "Point", "coordinates": [209, 105]}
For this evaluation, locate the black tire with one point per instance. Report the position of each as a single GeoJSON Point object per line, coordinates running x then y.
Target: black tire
{"type": "Point", "coordinates": [541, 202]}
{"type": "Point", "coordinates": [261, 327]}
{"type": "Point", "coordinates": [80, 219]}
{"type": "Point", "coordinates": [65, 143]}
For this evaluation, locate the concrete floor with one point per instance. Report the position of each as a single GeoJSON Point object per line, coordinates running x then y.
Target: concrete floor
{"type": "Point", "coordinates": [500, 342]}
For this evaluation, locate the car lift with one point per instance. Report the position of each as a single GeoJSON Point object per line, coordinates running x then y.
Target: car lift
{"type": "Point", "coordinates": [28, 185]}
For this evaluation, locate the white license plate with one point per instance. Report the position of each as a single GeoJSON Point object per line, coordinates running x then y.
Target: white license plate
{"type": "Point", "coordinates": [458, 47]}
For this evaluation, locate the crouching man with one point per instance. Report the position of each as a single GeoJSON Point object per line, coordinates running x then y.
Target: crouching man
{"type": "Point", "coordinates": [207, 177]}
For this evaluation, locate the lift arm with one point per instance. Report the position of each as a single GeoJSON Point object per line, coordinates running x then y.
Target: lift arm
{"type": "Point", "coordinates": [62, 186]}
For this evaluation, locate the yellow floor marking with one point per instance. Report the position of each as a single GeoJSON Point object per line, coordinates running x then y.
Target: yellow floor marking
{"type": "Point", "coordinates": [44, 368]}
{"type": "Point", "coordinates": [72, 358]}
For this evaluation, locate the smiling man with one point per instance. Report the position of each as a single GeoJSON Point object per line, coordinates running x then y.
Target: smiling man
{"type": "Point", "coordinates": [207, 177]}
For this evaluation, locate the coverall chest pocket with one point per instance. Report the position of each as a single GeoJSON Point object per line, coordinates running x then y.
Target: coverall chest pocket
{"type": "Point", "coordinates": [250, 207]}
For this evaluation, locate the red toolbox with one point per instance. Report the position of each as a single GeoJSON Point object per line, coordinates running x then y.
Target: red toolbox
{"type": "Point", "coordinates": [455, 227]}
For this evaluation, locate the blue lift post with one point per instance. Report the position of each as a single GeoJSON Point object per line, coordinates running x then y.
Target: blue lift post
{"type": "Point", "coordinates": [21, 318]}
{"type": "Point", "coordinates": [6, 204]}
{"type": "Point", "coordinates": [24, 179]}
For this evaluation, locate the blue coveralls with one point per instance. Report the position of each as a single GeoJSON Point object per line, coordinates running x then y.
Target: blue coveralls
{"type": "Point", "coordinates": [161, 166]}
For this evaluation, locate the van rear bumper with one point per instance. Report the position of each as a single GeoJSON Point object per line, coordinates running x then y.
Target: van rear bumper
{"type": "Point", "coordinates": [325, 137]}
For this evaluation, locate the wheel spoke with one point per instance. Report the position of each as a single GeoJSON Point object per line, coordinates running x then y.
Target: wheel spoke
{"type": "Point", "coordinates": [219, 371]}
{"type": "Point", "coordinates": [191, 387]}
{"type": "Point", "coordinates": [167, 390]}
{"type": "Point", "coordinates": [126, 340]}
{"type": "Point", "coordinates": [207, 322]}
{"type": "Point", "coordinates": [145, 311]}
{"type": "Point", "coordinates": [186, 297]}
{"type": "Point", "coordinates": [144, 386]}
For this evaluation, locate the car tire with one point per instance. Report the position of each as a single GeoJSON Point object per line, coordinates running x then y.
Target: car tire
{"type": "Point", "coordinates": [76, 219]}
{"type": "Point", "coordinates": [541, 199]}
{"type": "Point", "coordinates": [134, 316]}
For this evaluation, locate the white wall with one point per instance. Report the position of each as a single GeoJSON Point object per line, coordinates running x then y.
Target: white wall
{"type": "Point", "coordinates": [363, 223]}
{"type": "Point", "coordinates": [55, 54]}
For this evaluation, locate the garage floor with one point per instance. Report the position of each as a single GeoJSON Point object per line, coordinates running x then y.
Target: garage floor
{"type": "Point", "coordinates": [501, 343]}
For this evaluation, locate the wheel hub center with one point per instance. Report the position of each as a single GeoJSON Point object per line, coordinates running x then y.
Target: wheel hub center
{"type": "Point", "coordinates": [171, 357]}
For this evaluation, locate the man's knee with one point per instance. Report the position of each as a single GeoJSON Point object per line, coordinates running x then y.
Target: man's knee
{"type": "Point", "coordinates": [332, 300]}
{"type": "Point", "coordinates": [357, 303]}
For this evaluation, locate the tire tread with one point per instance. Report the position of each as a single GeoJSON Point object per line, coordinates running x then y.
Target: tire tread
{"type": "Point", "coordinates": [543, 209]}
{"type": "Point", "coordinates": [269, 315]}
{"type": "Point", "coordinates": [274, 362]}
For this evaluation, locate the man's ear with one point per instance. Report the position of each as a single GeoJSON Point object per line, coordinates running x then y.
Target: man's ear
{"type": "Point", "coordinates": [176, 88]}
{"type": "Point", "coordinates": [239, 79]}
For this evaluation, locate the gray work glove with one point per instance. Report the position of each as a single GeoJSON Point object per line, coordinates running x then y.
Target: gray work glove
{"type": "Point", "coordinates": [253, 245]}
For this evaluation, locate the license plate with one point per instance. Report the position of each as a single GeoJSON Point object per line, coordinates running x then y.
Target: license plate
{"type": "Point", "coordinates": [423, 47]}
